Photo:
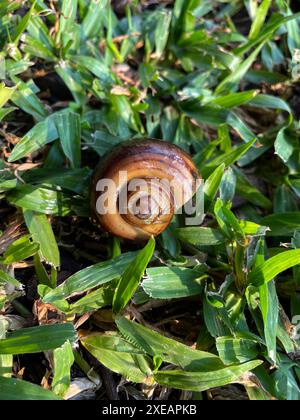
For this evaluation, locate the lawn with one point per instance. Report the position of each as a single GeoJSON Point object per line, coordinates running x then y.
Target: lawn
{"type": "Point", "coordinates": [203, 311]}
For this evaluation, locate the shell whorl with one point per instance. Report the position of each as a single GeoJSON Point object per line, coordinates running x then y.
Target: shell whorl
{"type": "Point", "coordinates": [142, 203]}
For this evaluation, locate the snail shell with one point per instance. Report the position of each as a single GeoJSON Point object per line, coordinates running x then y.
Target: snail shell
{"type": "Point", "coordinates": [131, 195]}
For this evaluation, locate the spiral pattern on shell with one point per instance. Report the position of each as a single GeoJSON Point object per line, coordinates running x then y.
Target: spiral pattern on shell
{"type": "Point", "coordinates": [146, 182]}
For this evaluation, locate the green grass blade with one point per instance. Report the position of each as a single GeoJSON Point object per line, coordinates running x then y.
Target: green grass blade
{"type": "Point", "coordinates": [237, 350]}
{"type": "Point", "coordinates": [69, 131]}
{"type": "Point", "coordinates": [40, 200]}
{"type": "Point", "coordinates": [5, 94]}
{"type": "Point", "coordinates": [117, 355]}
{"type": "Point", "coordinates": [20, 250]}
{"type": "Point", "coordinates": [41, 134]}
{"type": "Point", "coordinates": [260, 18]}
{"type": "Point", "coordinates": [42, 233]}
{"type": "Point", "coordinates": [199, 382]}
{"type": "Point", "coordinates": [228, 158]}
{"type": "Point", "coordinates": [274, 266]}
{"type": "Point", "coordinates": [37, 339]}
{"type": "Point", "coordinates": [172, 283]}
{"type": "Point", "coordinates": [282, 224]}
{"type": "Point", "coordinates": [15, 389]}
{"type": "Point", "coordinates": [63, 361]}
{"type": "Point", "coordinates": [200, 236]}
{"type": "Point", "coordinates": [212, 185]}
{"type": "Point", "coordinates": [234, 99]}
{"type": "Point", "coordinates": [231, 82]}
{"type": "Point", "coordinates": [167, 349]}
{"type": "Point", "coordinates": [132, 276]}
{"type": "Point", "coordinates": [91, 277]}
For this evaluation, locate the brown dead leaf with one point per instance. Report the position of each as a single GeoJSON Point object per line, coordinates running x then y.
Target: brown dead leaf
{"type": "Point", "coordinates": [47, 314]}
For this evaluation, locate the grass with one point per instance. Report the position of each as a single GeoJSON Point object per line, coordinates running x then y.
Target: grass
{"type": "Point", "coordinates": [189, 315]}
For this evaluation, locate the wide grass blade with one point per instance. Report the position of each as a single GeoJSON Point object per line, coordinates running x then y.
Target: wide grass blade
{"type": "Point", "coordinates": [237, 350]}
{"type": "Point", "coordinates": [228, 158]}
{"type": "Point", "coordinates": [231, 82]}
{"type": "Point", "coordinates": [41, 134]}
{"type": "Point", "coordinates": [94, 18]}
{"type": "Point", "coordinates": [5, 94]}
{"type": "Point", "coordinates": [212, 185]}
{"type": "Point", "coordinates": [199, 382]}
{"type": "Point", "coordinates": [119, 356]}
{"type": "Point", "coordinates": [200, 236]}
{"type": "Point", "coordinates": [63, 361]}
{"type": "Point", "coordinates": [92, 301]}
{"type": "Point", "coordinates": [167, 349]}
{"type": "Point", "coordinates": [69, 131]}
{"type": "Point", "coordinates": [42, 233]}
{"type": "Point", "coordinates": [270, 269]}
{"type": "Point", "coordinates": [91, 277]}
{"type": "Point", "coordinates": [37, 339]}
{"type": "Point", "coordinates": [40, 200]}
{"type": "Point", "coordinates": [132, 276]}
{"type": "Point", "coordinates": [259, 20]}
{"type": "Point", "coordinates": [16, 390]}
{"type": "Point", "coordinates": [172, 283]}
{"type": "Point", "coordinates": [19, 250]}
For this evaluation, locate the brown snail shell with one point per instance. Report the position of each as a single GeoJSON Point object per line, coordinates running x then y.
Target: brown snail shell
{"type": "Point", "coordinates": [149, 208]}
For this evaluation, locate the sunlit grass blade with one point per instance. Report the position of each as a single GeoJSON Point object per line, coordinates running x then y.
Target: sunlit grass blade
{"type": "Point", "coordinates": [69, 130]}
{"type": "Point", "coordinates": [91, 277]}
{"type": "Point", "coordinates": [171, 283]}
{"type": "Point", "coordinates": [260, 17]}
{"type": "Point", "coordinates": [63, 361]}
{"type": "Point", "coordinates": [119, 356]}
{"type": "Point", "coordinates": [37, 339]}
{"type": "Point", "coordinates": [167, 349]}
{"type": "Point", "coordinates": [231, 82]}
{"type": "Point", "coordinates": [132, 276]}
{"type": "Point", "coordinates": [270, 269]}
{"type": "Point", "coordinates": [5, 94]}
{"type": "Point", "coordinates": [196, 381]}
{"type": "Point", "coordinates": [21, 249]}
{"type": "Point", "coordinates": [42, 233]}
{"type": "Point", "coordinates": [41, 134]}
